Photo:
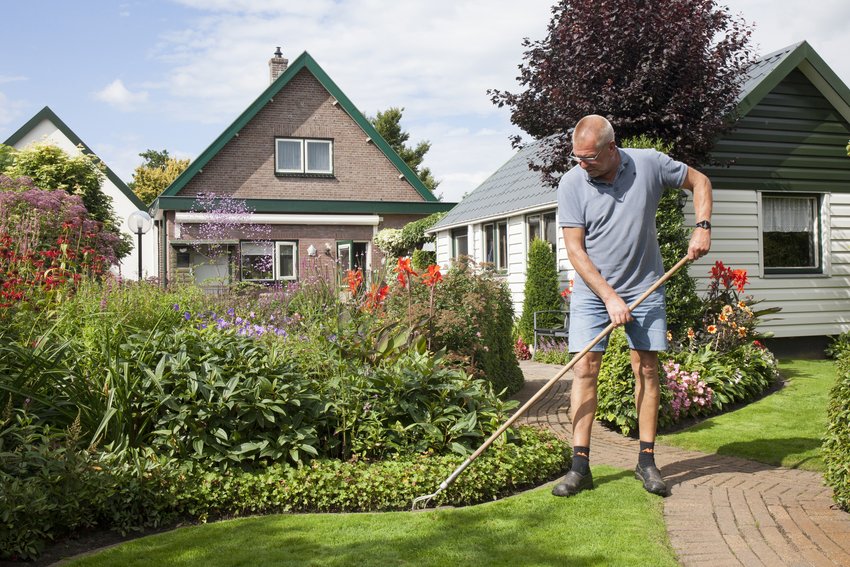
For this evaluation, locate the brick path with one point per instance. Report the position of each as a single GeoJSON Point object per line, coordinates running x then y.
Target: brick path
{"type": "Point", "coordinates": [721, 510]}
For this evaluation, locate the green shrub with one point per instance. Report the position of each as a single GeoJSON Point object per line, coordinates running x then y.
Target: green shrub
{"type": "Point", "coordinates": [541, 290]}
{"type": "Point", "coordinates": [836, 443]}
{"type": "Point", "coordinates": [421, 259]}
{"type": "Point", "coordinates": [616, 385]}
{"type": "Point", "coordinates": [471, 316]}
{"type": "Point", "coordinates": [552, 351]}
{"type": "Point", "coordinates": [141, 490]}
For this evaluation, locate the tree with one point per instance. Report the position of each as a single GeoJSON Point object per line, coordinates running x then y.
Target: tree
{"type": "Point", "coordinates": [541, 289]}
{"type": "Point", "coordinates": [388, 125]}
{"type": "Point", "coordinates": [157, 172]}
{"type": "Point", "coordinates": [669, 69]}
{"type": "Point", "coordinates": [51, 168]}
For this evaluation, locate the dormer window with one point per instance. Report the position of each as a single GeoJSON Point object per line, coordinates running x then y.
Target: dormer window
{"type": "Point", "coordinates": [300, 156]}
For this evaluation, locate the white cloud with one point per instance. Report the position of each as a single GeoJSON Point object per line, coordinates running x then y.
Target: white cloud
{"type": "Point", "coordinates": [119, 96]}
{"type": "Point", "coordinates": [10, 79]}
{"type": "Point", "coordinates": [10, 111]}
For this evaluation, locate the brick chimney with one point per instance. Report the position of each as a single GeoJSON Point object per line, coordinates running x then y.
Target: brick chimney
{"type": "Point", "coordinates": [277, 65]}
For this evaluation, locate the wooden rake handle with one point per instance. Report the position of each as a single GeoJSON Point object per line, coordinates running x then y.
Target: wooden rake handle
{"type": "Point", "coordinates": [605, 332]}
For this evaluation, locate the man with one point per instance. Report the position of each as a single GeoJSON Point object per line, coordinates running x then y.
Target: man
{"type": "Point", "coordinates": [606, 208]}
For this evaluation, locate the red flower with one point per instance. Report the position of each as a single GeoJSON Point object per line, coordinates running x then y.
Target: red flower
{"type": "Point", "coordinates": [354, 278]}
{"type": "Point", "coordinates": [376, 296]}
{"type": "Point", "coordinates": [433, 277]}
{"type": "Point", "coordinates": [404, 271]}
{"type": "Point", "coordinates": [739, 278]}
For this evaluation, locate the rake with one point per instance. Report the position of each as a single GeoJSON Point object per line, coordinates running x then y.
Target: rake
{"type": "Point", "coordinates": [421, 502]}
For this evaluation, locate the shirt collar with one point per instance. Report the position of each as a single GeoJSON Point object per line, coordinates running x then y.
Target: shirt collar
{"type": "Point", "coordinates": [625, 160]}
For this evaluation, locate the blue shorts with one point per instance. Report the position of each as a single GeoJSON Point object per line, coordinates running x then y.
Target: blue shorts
{"type": "Point", "coordinates": [648, 331]}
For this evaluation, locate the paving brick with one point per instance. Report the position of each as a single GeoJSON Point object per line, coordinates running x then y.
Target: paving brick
{"type": "Point", "coordinates": [722, 511]}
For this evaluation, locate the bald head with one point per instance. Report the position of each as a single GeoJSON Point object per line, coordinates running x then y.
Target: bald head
{"type": "Point", "coordinates": [593, 130]}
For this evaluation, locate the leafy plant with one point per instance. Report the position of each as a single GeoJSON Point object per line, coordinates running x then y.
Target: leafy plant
{"type": "Point", "coordinates": [836, 443]}
{"type": "Point", "coordinates": [541, 290]}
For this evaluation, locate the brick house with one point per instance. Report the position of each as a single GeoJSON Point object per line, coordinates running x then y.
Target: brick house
{"type": "Point", "coordinates": [316, 178]}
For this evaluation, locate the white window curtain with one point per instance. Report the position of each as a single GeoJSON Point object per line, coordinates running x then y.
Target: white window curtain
{"type": "Point", "coordinates": [788, 214]}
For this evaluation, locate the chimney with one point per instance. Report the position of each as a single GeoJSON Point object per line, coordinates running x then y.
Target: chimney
{"type": "Point", "coordinates": [277, 65]}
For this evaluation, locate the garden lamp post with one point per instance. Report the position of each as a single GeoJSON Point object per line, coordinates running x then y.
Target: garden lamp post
{"type": "Point", "coordinates": [139, 222]}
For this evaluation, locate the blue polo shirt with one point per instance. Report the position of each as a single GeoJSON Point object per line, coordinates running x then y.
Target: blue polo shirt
{"type": "Point", "coordinates": [619, 218]}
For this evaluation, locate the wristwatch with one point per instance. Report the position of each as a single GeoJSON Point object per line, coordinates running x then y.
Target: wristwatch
{"type": "Point", "coordinates": [704, 224]}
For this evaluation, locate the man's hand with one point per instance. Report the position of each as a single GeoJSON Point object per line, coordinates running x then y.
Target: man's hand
{"type": "Point", "coordinates": [618, 311]}
{"type": "Point", "coordinates": [700, 244]}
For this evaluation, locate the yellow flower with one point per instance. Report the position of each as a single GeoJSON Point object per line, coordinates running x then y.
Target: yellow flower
{"type": "Point", "coordinates": [742, 332]}
{"type": "Point", "coordinates": [722, 318]}
{"type": "Point", "coordinates": [711, 329]}
{"type": "Point", "coordinates": [742, 305]}
{"type": "Point", "coordinates": [669, 336]}
{"type": "Point", "coordinates": [727, 309]}
{"type": "Point", "coordinates": [691, 333]}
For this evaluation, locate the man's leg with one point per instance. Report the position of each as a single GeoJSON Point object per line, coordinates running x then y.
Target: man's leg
{"type": "Point", "coordinates": [647, 398]}
{"type": "Point", "coordinates": [583, 410]}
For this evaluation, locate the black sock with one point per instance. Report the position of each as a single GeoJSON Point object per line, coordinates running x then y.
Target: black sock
{"type": "Point", "coordinates": [581, 460]}
{"type": "Point", "coordinates": [646, 457]}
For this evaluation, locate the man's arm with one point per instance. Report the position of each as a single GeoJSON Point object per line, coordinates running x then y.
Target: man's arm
{"type": "Point", "coordinates": [700, 186]}
{"type": "Point", "coordinates": [618, 311]}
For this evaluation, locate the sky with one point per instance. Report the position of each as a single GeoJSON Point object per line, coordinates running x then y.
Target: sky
{"type": "Point", "coordinates": [173, 74]}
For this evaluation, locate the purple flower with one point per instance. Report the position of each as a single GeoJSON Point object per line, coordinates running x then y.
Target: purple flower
{"type": "Point", "coordinates": [187, 315]}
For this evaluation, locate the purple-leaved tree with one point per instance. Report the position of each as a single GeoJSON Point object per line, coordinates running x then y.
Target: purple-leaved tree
{"type": "Point", "coordinates": [669, 69]}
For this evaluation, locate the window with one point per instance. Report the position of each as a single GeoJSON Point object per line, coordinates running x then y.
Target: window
{"type": "Point", "coordinates": [496, 244]}
{"type": "Point", "coordinates": [267, 261]}
{"type": "Point", "coordinates": [542, 225]}
{"type": "Point", "coordinates": [352, 255]}
{"type": "Point", "coordinates": [287, 260]}
{"type": "Point", "coordinates": [298, 155]}
{"type": "Point", "coordinates": [791, 234]}
{"type": "Point", "coordinates": [460, 242]}
{"type": "Point", "coordinates": [257, 261]}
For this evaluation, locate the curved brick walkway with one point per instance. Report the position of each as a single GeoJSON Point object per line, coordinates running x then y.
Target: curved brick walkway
{"type": "Point", "coordinates": [721, 510]}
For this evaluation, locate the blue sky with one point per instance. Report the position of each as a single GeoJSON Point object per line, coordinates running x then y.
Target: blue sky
{"type": "Point", "coordinates": [172, 74]}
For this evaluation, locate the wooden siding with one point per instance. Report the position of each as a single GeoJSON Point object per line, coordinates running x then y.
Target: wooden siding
{"type": "Point", "coordinates": [792, 141]}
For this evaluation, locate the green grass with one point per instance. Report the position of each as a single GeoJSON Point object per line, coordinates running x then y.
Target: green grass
{"type": "Point", "coordinates": [616, 524]}
{"type": "Point", "coordinates": [784, 428]}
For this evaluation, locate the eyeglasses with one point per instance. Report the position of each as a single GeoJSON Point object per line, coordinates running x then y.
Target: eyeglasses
{"type": "Point", "coordinates": [579, 159]}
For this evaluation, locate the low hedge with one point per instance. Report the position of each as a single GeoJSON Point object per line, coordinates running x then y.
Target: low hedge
{"type": "Point", "coordinates": [76, 489]}
{"type": "Point", "coordinates": [836, 443]}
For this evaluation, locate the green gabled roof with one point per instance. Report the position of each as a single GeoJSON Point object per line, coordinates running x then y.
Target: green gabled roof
{"type": "Point", "coordinates": [168, 203]}
{"type": "Point", "coordinates": [767, 72]}
{"type": "Point", "coordinates": [47, 114]}
{"type": "Point", "coordinates": [304, 61]}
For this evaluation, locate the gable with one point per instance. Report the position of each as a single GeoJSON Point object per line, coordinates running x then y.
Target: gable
{"type": "Point", "coordinates": [303, 108]}
{"type": "Point", "coordinates": [47, 125]}
{"type": "Point", "coordinates": [294, 75]}
{"type": "Point", "coordinates": [792, 139]}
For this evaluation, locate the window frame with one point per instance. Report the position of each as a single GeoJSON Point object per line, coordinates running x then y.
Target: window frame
{"type": "Point", "coordinates": [499, 238]}
{"type": "Point", "coordinates": [543, 223]}
{"type": "Point", "coordinates": [819, 236]}
{"type": "Point", "coordinates": [455, 234]}
{"type": "Point", "coordinates": [278, 244]}
{"type": "Point", "coordinates": [304, 169]}
{"type": "Point", "coordinates": [242, 256]}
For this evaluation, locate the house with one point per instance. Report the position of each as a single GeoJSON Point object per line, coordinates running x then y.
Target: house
{"type": "Point", "coordinates": [47, 127]}
{"type": "Point", "coordinates": [298, 181]}
{"type": "Point", "coordinates": [781, 209]}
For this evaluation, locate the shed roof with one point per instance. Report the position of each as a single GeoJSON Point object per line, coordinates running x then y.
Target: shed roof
{"type": "Point", "coordinates": [514, 187]}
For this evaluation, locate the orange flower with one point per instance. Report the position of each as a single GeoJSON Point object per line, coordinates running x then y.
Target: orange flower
{"type": "Point", "coordinates": [433, 276]}
{"type": "Point", "coordinates": [354, 278]}
{"type": "Point", "coordinates": [727, 309]}
{"type": "Point", "coordinates": [722, 318]}
{"type": "Point", "coordinates": [742, 332]}
{"type": "Point", "coordinates": [376, 296]}
{"type": "Point", "coordinates": [739, 278]}
{"type": "Point", "coordinates": [404, 271]}
{"type": "Point", "coordinates": [712, 329]}
{"type": "Point", "coordinates": [669, 336]}
{"type": "Point", "coordinates": [691, 333]}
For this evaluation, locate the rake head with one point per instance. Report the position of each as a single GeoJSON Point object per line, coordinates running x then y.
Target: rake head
{"type": "Point", "coordinates": [421, 502]}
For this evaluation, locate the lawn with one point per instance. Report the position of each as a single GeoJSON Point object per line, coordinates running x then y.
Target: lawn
{"type": "Point", "coordinates": [784, 428]}
{"type": "Point", "coordinates": [616, 524]}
